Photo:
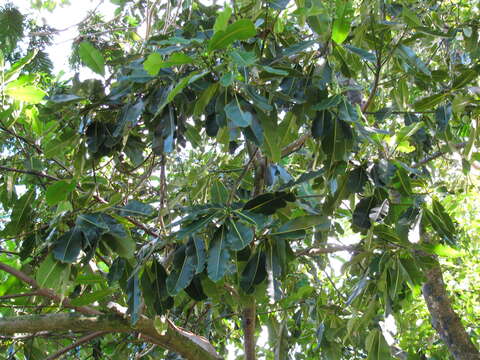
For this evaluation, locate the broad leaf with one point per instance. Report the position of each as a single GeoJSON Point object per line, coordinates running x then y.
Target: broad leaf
{"type": "Point", "coordinates": [240, 30]}
{"type": "Point", "coordinates": [239, 235]}
{"type": "Point", "coordinates": [343, 20]}
{"type": "Point", "coordinates": [254, 272]}
{"type": "Point", "coordinates": [134, 298]}
{"type": "Point", "coordinates": [68, 246]}
{"type": "Point", "coordinates": [92, 57]}
{"type": "Point", "coordinates": [268, 203]}
{"type": "Point", "coordinates": [184, 266]}
{"type": "Point", "coordinates": [218, 255]}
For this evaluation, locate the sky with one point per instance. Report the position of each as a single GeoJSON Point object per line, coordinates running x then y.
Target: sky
{"type": "Point", "coordinates": [65, 17]}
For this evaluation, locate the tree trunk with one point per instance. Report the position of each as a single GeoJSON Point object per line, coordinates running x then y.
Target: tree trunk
{"type": "Point", "coordinates": [444, 319]}
{"type": "Point", "coordinates": [249, 314]}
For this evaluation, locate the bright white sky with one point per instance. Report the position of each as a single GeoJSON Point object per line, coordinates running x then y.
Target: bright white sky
{"type": "Point", "coordinates": [62, 18]}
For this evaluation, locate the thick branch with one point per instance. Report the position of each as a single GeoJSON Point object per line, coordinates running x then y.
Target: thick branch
{"type": "Point", "coordinates": [444, 319]}
{"type": "Point", "coordinates": [188, 345]}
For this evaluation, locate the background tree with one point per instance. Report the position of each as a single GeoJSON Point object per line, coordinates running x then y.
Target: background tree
{"type": "Point", "coordinates": [195, 194]}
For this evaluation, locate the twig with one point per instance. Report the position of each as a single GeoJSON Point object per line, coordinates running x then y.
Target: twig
{"type": "Point", "coordinates": [240, 178]}
{"type": "Point", "coordinates": [14, 296]}
{"type": "Point", "coordinates": [294, 146]}
{"type": "Point", "coordinates": [47, 292]}
{"type": "Point", "coordinates": [437, 154]}
{"type": "Point", "coordinates": [29, 172]}
{"type": "Point", "coordinates": [79, 342]}
{"type": "Point", "coordinates": [325, 250]}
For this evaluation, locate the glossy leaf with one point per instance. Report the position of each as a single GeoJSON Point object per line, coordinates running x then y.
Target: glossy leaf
{"type": "Point", "coordinates": [343, 20]}
{"type": "Point", "coordinates": [218, 255]}
{"type": "Point", "coordinates": [254, 272]}
{"type": "Point", "coordinates": [134, 298]}
{"type": "Point", "coordinates": [239, 235]}
{"type": "Point", "coordinates": [68, 246]}
{"type": "Point", "coordinates": [240, 30]}
{"type": "Point", "coordinates": [270, 202]}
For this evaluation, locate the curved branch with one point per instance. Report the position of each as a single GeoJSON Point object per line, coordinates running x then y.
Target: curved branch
{"type": "Point", "coordinates": [188, 345]}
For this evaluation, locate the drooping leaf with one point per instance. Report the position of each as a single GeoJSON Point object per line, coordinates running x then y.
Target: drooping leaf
{"type": "Point", "coordinates": [357, 179]}
{"type": "Point", "coordinates": [184, 266]}
{"type": "Point", "coordinates": [68, 246]}
{"type": "Point", "coordinates": [376, 346]}
{"type": "Point", "coordinates": [239, 235]}
{"type": "Point", "coordinates": [238, 116]}
{"type": "Point", "coordinates": [117, 270]}
{"type": "Point", "coordinates": [199, 252]}
{"type": "Point", "coordinates": [343, 20]}
{"type": "Point", "coordinates": [243, 58]}
{"type": "Point", "coordinates": [254, 273]}
{"type": "Point", "coordinates": [364, 54]}
{"type": "Point", "coordinates": [278, 4]}
{"type": "Point", "coordinates": [92, 57]}
{"type": "Point", "coordinates": [134, 300]}
{"type": "Point", "coordinates": [218, 255]}
{"type": "Point", "coordinates": [53, 274]}
{"type": "Point", "coordinates": [443, 114]}
{"type": "Point", "coordinates": [24, 92]}
{"type": "Point", "coordinates": [268, 203]}
{"type": "Point", "coordinates": [321, 223]}
{"type": "Point", "coordinates": [428, 103]}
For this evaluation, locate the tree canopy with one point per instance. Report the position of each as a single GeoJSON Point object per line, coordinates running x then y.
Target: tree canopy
{"type": "Point", "coordinates": [255, 179]}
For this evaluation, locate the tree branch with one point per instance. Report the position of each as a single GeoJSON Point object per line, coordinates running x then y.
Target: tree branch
{"type": "Point", "coordinates": [325, 250]}
{"type": "Point", "coordinates": [437, 154]}
{"type": "Point", "coordinates": [188, 345]}
{"type": "Point", "coordinates": [444, 319]}
{"type": "Point", "coordinates": [81, 341]}
{"type": "Point", "coordinates": [63, 301]}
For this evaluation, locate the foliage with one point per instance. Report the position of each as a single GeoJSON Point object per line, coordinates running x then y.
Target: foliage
{"type": "Point", "coordinates": [222, 159]}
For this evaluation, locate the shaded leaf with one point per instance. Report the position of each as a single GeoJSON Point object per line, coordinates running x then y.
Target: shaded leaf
{"type": "Point", "coordinates": [254, 272]}
{"type": "Point", "coordinates": [268, 203]}
{"type": "Point", "coordinates": [92, 57]}
{"type": "Point", "coordinates": [218, 255]}
{"type": "Point", "coordinates": [239, 235]}
{"type": "Point", "coordinates": [68, 246]}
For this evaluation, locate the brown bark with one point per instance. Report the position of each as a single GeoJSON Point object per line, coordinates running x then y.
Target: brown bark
{"type": "Point", "coordinates": [444, 319]}
{"type": "Point", "coordinates": [248, 314]}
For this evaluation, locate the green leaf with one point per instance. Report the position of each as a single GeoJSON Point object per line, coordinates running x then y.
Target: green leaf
{"type": "Point", "coordinates": [117, 270]}
{"type": "Point", "coordinates": [68, 246]}
{"type": "Point", "coordinates": [154, 62]}
{"type": "Point", "coordinates": [347, 112]}
{"type": "Point", "coordinates": [443, 114]}
{"type": "Point", "coordinates": [92, 57]}
{"type": "Point", "coordinates": [92, 297]}
{"type": "Point", "coordinates": [195, 226]}
{"type": "Point", "coordinates": [20, 217]}
{"type": "Point", "coordinates": [200, 253]}
{"type": "Point", "coordinates": [278, 4]}
{"type": "Point", "coordinates": [239, 117]}
{"type": "Point", "coordinates": [129, 117]}
{"type": "Point", "coordinates": [204, 99]}
{"type": "Point", "coordinates": [357, 179]}
{"type": "Point", "coordinates": [222, 19]}
{"type": "Point", "coordinates": [442, 250]}
{"type": "Point", "coordinates": [184, 266]}
{"type": "Point", "coordinates": [18, 66]}
{"type": "Point", "coordinates": [218, 255]}
{"type": "Point", "coordinates": [58, 191]}
{"type": "Point", "coordinates": [160, 299]}
{"type": "Point", "coordinates": [239, 235]}
{"type": "Point", "coordinates": [218, 192]}
{"type": "Point", "coordinates": [364, 54]}
{"type": "Point", "coordinates": [243, 58]}
{"type": "Point", "coordinates": [428, 103]}
{"type": "Point", "coordinates": [271, 144]}
{"type": "Point", "coordinates": [254, 273]}
{"type": "Point", "coordinates": [136, 208]}
{"type": "Point", "coordinates": [328, 103]}
{"type": "Point", "coordinates": [376, 346]}
{"type": "Point", "coordinates": [134, 298]}
{"type": "Point", "coordinates": [275, 71]}
{"type": "Point", "coordinates": [227, 79]}
{"type": "Point", "coordinates": [53, 274]}
{"type": "Point", "coordinates": [412, 59]}
{"type": "Point", "coordinates": [464, 78]}
{"type": "Point", "coordinates": [240, 30]}
{"type": "Point", "coordinates": [268, 203]}
{"type": "Point", "coordinates": [26, 93]}
{"type": "Point", "coordinates": [343, 20]}
{"type": "Point", "coordinates": [322, 223]}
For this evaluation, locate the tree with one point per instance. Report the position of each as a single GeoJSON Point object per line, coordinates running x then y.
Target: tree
{"type": "Point", "coordinates": [197, 193]}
